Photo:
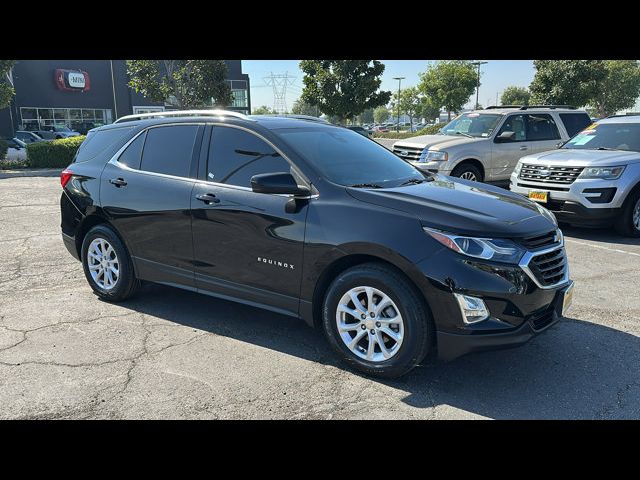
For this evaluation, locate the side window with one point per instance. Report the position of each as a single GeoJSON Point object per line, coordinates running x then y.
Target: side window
{"type": "Point", "coordinates": [132, 155]}
{"type": "Point", "coordinates": [575, 122]}
{"type": "Point", "coordinates": [169, 149]}
{"type": "Point", "coordinates": [100, 141]}
{"type": "Point", "coordinates": [515, 123]}
{"type": "Point", "coordinates": [541, 126]}
{"type": "Point", "coordinates": [236, 155]}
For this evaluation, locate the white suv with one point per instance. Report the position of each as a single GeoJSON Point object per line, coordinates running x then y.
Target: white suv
{"type": "Point", "coordinates": [485, 145]}
{"type": "Point", "coordinates": [593, 180]}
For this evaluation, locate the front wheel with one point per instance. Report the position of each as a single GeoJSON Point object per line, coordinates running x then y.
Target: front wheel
{"type": "Point", "coordinates": [628, 223]}
{"type": "Point", "coordinates": [376, 322]}
{"type": "Point", "coordinates": [467, 171]}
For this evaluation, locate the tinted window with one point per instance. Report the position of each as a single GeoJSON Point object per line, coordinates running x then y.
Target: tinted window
{"type": "Point", "coordinates": [515, 123]}
{"type": "Point", "coordinates": [348, 158]}
{"type": "Point", "coordinates": [574, 122]}
{"type": "Point", "coordinates": [169, 149]}
{"type": "Point", "coordinates": [100, 141]}
{"type": "Point", "coordinates": [132, 155]}
{"type": "Point", "coordinates": [614, 136]}
{"type": "Point", "coordinates": [541, 127]}
{"type": "Point", "coordinates": [236, 155]}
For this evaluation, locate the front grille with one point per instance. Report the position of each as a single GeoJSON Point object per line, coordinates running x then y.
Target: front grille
{"type": "Point", "coordinates": [549, 268]}
{"type": "Point", "coordinates": [549, 174]}
{"type": "Point", "coordinates": [409, 153]}
{"type": "Point", "coordinates": [539, 241]}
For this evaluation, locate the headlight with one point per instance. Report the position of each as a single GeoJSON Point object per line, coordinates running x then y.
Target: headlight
{"type": "Point", "coordinates": [498, 249]}
{"type": "Point", "coordinates": [603, 173]}
{"type": "Point", "coordinates": [517, 169]}
{"type": "Point", "coordinates": [434, 156]}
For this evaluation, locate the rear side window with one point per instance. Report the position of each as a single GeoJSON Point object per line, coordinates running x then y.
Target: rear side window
{"type": "Point", "coordinates": [169, 149]}
{"type": "Point", "coordinates": [236, 155]}
{"type": "Point", "coordinates": [574, 122]}
{"type": "Point", "coordinates": [541, 127]}
{"type": "Point", "coordinates": [132, 156]}
{"type": "Point", "coordinates": [100, 141]}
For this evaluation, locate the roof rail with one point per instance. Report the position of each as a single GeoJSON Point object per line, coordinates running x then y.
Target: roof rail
{"type": "Point", "coordinates": [551, 107]}
{"type": "Point", "coordinates": [311, 118]}
{"type": "Point", "coordinates": [182, 113]}
{"type": "Point", "coordinates": [503, 106]}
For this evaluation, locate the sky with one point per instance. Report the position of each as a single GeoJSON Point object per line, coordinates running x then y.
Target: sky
{"type": "Point", "coordinates": [495, 77]}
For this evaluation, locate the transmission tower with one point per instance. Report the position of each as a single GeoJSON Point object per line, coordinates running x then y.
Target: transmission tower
{"type": "Point", "coordinates": [279, 82]}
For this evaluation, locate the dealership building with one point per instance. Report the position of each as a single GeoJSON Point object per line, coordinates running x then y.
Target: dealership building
{"type": "Point", "coordinates": [83, 94]}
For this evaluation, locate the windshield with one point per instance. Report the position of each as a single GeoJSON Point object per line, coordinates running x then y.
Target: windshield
{"type": "Point", "coordinates": [472, 125]}
{"type": "Point", "coordinates": [348, 158]}
{"type": "Point", "coordinates": [607, 136]}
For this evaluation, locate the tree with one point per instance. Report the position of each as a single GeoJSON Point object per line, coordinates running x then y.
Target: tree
{"type": "Point", "coordinates": [449, 84]}
{"type": "Point", "coordinates": [367, 116]}
{"type": "Point", "coordinates": [566, 82]}
{"type": "Point", "coordinates": [619, 89]}
{"type": "Point", "coordinates": [6, 87]}
{"type": "Point", "coordinates": [381, 114]}
{"type": "Point", "coordinates": [343, 88]}
{"type": "Point", "coordinates": [302, 108]}
{"type": "Point", "coordinates": [513, 95]}
{"type": "Point", "coordinates": [263, 110]}
{"type": "Point", "coordinates": [413, 104]}
{"type": "Point", "coordinates": [193, 83]}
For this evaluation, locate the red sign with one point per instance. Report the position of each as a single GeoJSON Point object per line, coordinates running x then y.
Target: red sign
{"type": "Point", "coordinates": [72, 80]}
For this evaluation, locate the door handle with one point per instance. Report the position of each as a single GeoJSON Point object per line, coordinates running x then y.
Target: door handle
{"type": "Point", "coordinates": [524, 147]}
{"type": "Point", "coordinates": [208, 198]}
{"type": "Point", "coordinates": [118, 182]}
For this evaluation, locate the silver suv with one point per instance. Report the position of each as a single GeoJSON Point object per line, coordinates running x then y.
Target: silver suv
{"type": "Point", "coordinates": [593, 180]}
{"type": "Point", "coordinates": [485, 145]}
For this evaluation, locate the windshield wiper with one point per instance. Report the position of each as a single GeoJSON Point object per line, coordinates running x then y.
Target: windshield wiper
{"type": "Point", "coordinates": [415, 181]}
{"type": "Point", "coordinates": [608, 148]}
{"type": "Point", "coordinates": [366, 185]}
{"type": "Point", "coordinates": [465, 134]}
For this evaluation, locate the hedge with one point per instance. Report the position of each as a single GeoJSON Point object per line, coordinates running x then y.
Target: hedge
{"type": "Point", "coordinates": [54, 154]}
{"type": "Point", "coordinates": [430, 130]}
{"type": "Point", "coordinates": [4, 146]}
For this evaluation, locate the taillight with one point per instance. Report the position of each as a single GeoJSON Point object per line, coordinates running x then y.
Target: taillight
{"type": "Point", "coordinates": [65, 176]}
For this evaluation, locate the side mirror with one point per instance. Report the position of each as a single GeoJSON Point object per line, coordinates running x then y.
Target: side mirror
{"type": "Point", "coordinates": [278, 183]}
{"type": "Point", "coordinates": [506, 136]}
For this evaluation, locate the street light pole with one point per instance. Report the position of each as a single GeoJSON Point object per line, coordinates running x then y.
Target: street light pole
{"type": "Point", "coordinates": [478, 84]}
{"type": "Point", "coordinates": [399, 81]}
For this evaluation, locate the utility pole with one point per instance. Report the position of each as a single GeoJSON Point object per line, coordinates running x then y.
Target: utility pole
{"type": "Point", "coordinates": [399, 82]}
{"type": "Point", "coordinates": [279, 82]}
{"type": "Point", "coordinates": [478, 84]}
{"type": "Point", "coordinates": [113, 88]}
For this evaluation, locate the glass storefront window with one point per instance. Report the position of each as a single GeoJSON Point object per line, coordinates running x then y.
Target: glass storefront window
{"type": "Point", "coordinates": [239, 98]}
{"type": "Point", "coordinates": [80, 120]}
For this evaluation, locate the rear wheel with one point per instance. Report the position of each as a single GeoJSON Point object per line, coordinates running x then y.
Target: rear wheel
{"type": "Point", "coordinates": [468, 171]}
{"type": "Point", "coordinates": [107, 265]}
{"type": "Point", "coordinates": [628, 223]}
{"type": "Point", "coordinates": [376, 322]}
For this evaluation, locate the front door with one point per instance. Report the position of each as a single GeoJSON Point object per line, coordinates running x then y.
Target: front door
{"type": "Point", "coordinates": [505, 156]}
{"type": "Point", "coordinates": [246, 244]}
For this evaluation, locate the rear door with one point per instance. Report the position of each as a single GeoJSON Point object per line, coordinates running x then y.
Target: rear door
{"type": "Point", "coordinates": [574, 122]}
{"type": "Point", "coordinates": [542, 132]}
{"type": "Point", "coordinates": [505, 156]}
{"type": "Point", "coordinates": [146, 194]}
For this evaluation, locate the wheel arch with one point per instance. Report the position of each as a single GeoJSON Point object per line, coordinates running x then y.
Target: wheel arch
{"type": "Point", "coordinates": [471, 161]}
{"type": "Point", "coordinates": [88, 223]}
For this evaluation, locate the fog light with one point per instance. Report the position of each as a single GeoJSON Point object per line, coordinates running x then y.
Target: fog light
{"type": "Point", "coordinates": [473, 309]}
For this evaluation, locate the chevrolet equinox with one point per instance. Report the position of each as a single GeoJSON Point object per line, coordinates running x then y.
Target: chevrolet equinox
{"type": "Point", "coordinates": [396, 265]}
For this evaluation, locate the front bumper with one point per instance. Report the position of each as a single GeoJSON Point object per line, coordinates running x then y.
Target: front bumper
{"type": "Point", "coordinates": [433, 167]}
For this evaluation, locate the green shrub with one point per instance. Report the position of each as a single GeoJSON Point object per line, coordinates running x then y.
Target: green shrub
{"type": "Point", "coordinates": [55, 154]}
{"type": "Point", "coordinates": [4, 146]}
{"type": "Point", "coordinates": [430, 130]}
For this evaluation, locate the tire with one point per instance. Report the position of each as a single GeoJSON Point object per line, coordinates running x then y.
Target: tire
{"type": "Point", "coordinates": [468, 170]}
{"type": "Point", "coordinates": [124, 284]}
{"type": "Point", "coordinates": [627, 223]}
{"type": "Point", "coordinates": [417, 333]}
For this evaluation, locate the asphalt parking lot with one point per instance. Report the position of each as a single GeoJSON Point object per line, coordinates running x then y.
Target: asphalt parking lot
{"type": "Point", "coordinates": [174, 354]}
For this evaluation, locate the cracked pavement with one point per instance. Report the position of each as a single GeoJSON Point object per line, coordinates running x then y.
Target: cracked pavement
{"type": "Point", "coordinates": [175, 354]}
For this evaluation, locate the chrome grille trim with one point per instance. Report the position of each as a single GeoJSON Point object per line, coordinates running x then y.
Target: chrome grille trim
{"type": "Point", "coordinates": [547, 271]}
{"type": "Point", "coordinates": [412, 153]}
{"type": "Point", "coordinates": [553, 174]}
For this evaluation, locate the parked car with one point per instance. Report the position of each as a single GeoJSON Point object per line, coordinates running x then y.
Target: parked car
{"type": "Point", "coordinates": [56, 132]}
{"type": "Point", "coordinates": [380, 128]}
{"type": "Point", "coordinates": [17, 149]}
{"type": "Point", "coordinates": [360, 130]}
{"type": "Point", "coordinates": [593, 180]}
{"type": "Point", "coordinates": [28, 137]}
{"type": "Point", "coordinates": [286, 214]}
{"type": "Point", "coordinates": [485, 145]}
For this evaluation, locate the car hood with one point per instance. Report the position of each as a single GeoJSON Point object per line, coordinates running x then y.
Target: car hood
{"type": "Point", "coordinates": [463, 207]}
{"type": "Point", "coordinates": [442, 141]}
{"type": "Point", "coordinates": [582, 158]}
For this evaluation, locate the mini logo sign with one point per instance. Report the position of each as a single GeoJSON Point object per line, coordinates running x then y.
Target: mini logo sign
{"type": "Point", "coordinates": [72, 80]}
{"type": "Point", "coordinates": [275, 263]}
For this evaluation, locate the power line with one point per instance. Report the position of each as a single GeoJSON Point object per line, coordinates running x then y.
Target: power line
{"type": "Point", "coordinates": [279, 82]}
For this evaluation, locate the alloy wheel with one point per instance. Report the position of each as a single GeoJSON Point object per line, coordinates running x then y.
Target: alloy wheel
{"type": "Point", "coordinates": [635, 218]}
{"type": "Point", "coordinates": [469, 176]}
{"type": "Point", "coordinates": [103, 263]}
{"type": "Point", "coordinates": [370, 324]}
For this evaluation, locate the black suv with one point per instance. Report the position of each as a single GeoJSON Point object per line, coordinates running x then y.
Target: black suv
{"type": "Point", "coordinates": [317, 222]}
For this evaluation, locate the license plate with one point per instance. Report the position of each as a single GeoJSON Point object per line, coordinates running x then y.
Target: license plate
{"type": "Point", "coordinates": [538, 196]}
{"type": "Point", "coordinates": [568, 298]}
